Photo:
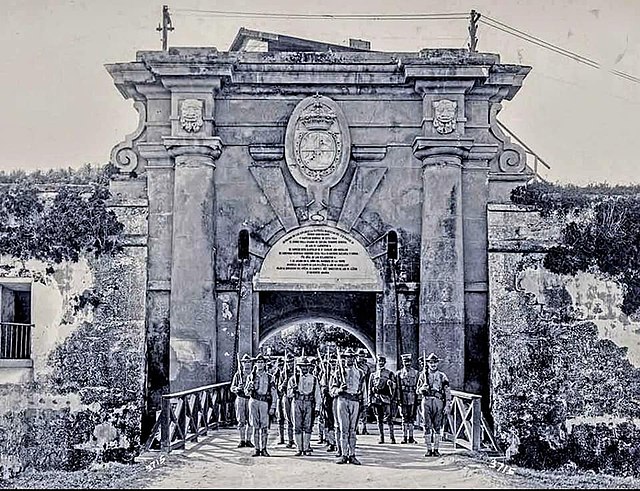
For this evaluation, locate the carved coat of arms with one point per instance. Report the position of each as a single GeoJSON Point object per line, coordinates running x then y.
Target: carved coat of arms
{"type": "Point", "coordinates": [445, 114]}
{"type": "Point", "coordinates": [317, 143]}
{"type": "Point", "coordinates": [191, 118]}
{"type": "Point", "coordinates": [317, 150]}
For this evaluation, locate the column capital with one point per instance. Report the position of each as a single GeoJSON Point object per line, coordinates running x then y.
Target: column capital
{"type": "Point", "coordinates": [434, 150]}
{"type": "Point", "coordinates": [184, 146]}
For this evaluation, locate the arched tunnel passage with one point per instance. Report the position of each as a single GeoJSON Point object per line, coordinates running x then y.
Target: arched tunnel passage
{"type": "Point", "coordinates": [353, 311]}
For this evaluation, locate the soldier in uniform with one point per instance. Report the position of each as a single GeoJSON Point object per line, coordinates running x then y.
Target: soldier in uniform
{"type": "Point", "coordinates": [284, 406]}
{"type": "Point", "coordinates": [347, 387]}
{"type": "Point", "coordinates": [304, 390]}
{"type": "Point", "coordinates": [419, 419]}
{"type": "Point", "coordinates": [364, 365]}
{"type": "Point", "coordinates": [407, 378]}
{"type": "Point", "coordinates": [436, 402]}
{"type": "Point", "coordinates": [382, 391]}
{"type": "Point", "coordinates": [263, 398]}
{"type": "Point", "coordinates": [328, 414]}
{"type": "Point", "coordinates": [242, 401]}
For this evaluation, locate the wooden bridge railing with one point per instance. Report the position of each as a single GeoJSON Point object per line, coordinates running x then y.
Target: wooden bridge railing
{"type": "Point", "coordinates": [187, 415]}
{"type": "Point", "coordinates": [466, 426]}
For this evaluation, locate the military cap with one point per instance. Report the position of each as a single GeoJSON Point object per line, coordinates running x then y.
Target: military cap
{"type": "Point", "coordinates": [406, 356]}
{"type": "Point", "coordinates": [260, 357]}
{"type": "Point", "coordinates": [432, 357]}
{"type": "Point", "coordinates": [303, 361]}
{"type": "Point", "coordinates": [246, 358]}
{"type": "Point", "coordinates": [382, 358]}
{"type": "Point", "coordinates": [363, 352]}
{"type": "Point", "coordinates": [288, 357]}
{"type": "Point", "coordinates": [349, 352]}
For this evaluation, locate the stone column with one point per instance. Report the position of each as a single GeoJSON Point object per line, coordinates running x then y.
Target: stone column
{"type": "Point", "coordinates": [193, 302]}
{"type": "Point", "coordinates": [475, 194]}
{"type": "Point", "coordinates": [441, 317]}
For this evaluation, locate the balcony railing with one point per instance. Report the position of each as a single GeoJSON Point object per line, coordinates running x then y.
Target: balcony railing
{"type": "Point", "coordinates": [15, 341]}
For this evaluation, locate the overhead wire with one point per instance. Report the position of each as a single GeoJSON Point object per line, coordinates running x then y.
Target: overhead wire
{"type": "Point", "coordinates": [501, 26]}
{"type": "Point", "coordinates": [309, 16]}
{"type": "Point", "coordinates": [485, 19]}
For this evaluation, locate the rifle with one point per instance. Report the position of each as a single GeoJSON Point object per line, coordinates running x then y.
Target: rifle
{"type": "Point", "coordinates": [239, 369]}
{"type": "Point", "coordinates": [340, 367]}
{"type": "Point", "coordinates": [321, 364]}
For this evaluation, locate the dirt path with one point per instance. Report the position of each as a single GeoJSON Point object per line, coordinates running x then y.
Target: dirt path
{"type": "Point", "coordinates": [216, 462]}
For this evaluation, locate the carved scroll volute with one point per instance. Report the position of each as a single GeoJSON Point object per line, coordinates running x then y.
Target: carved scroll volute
{"type": "Point", "coordinates": [123, 156]}
{"type": "Point", "coordinates": [511, 158]}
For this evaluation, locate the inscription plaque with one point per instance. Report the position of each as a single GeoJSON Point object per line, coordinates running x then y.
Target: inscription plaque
{"type": "Point", "coordinates": [320, 258]}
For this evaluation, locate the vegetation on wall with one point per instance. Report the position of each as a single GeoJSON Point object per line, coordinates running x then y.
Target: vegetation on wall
{"type": "Point", "coordinates": [54, 225]}
{"type": "Point", "coordinates": [605, 240]}
{"type": "Point", "coordinates": [562, 396]}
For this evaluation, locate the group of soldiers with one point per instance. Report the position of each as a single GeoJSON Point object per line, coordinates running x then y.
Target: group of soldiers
{"type": "Point", "coordinates": [338, 391]}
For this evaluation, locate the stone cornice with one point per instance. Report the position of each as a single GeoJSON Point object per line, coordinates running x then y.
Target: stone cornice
{"type": "Point", "coordinates": [362, 153]}
{"type": "Point", "coordinates": [266, 152]}
{"type": "Point", "coordinates": [177, 146]}
{"type": "Point", "coordinates": [425, 147]}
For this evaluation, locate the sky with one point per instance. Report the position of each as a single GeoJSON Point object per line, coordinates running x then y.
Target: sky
{"type": "Point", "coordinates": [61, 108]}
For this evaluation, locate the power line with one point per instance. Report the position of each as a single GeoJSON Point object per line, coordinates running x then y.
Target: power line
{"type": "Point", "coordinates": [501, 26]}
{"type": "Point", "coordinates": [276, 15]}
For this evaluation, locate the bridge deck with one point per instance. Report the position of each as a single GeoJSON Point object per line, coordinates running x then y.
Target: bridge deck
{"type": "Point", "coordinates": [215, 461]}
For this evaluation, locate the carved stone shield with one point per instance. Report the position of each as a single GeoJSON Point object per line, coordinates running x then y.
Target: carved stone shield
{"type": "Point", "coordinates": [317, 142]}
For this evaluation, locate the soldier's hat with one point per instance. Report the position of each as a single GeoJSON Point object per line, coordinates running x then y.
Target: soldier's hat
{"type": "Point", "coordinates": [349, 352]}
{"type": "Point", "coordinates": [288, 357]}
{"type": "Point", "coordinates": [382, 358]}
{"type": "Point", "coordinates": [303, 361]}
{"type": "Point", "coordinates": [363, 352]}
{"type": "Point", "coordinates": [406, 356]}
{"type": "Point", "coordinates": [432, 357]}
{"type": "Point", "coordinates": [260, 357]}
{"type": "Point", "coordinates": [246, 358]}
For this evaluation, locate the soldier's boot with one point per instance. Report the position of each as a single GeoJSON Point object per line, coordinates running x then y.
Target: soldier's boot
{"type": "Point", "coordinates": [411, 439]}
{"type": "Point", "coordinates": [353, 460]}
{"type": "Point", "coordinates": [290, 435]}
{"type": "Point", "coordinates": [364, 427]}
{"type": "Point", "coordinates": [299, 445]}
{"type": "Point", "coordinates": [265, 438]}
{"type": "Point", "coordinates": [320, 433]}
{"type": "Point", "coordinates": [436, 444]}
{"type": "Point", "coordinates": [306, 444]}
{"type": "Point", "coordinates": [392, 437]}
{"type": "Point", "coordinates": [381, 431]}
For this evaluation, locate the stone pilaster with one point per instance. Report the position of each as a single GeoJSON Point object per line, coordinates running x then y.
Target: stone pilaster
{"type": "Point", "coordinates": [441, 317]}
{"type": "Point", "coordinates": [193, 302]}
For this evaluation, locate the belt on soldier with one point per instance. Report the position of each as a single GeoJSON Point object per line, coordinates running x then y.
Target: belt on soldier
{"type": "Point", "coordinates": [260, 397]}
{"type": "Point", "coordinates": [436, 396]}
{"type": "Point", "coordinates": [305, 397]}
{"type": "Point", "coordinates": [350, 397]}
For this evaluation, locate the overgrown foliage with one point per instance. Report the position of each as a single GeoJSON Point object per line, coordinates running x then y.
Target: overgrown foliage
{"type": "Point", "coordinates": [310, 337]}
{"type": "Point", "coordinates": [59, 224]}
{"type": "Point", "coordinates": [605, 238]}
{"type": "Point", "coordinates": [87, 174]}
{"type": "Point", "coordinates": [556, 372]}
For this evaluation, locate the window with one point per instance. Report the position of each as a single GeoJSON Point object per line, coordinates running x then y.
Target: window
{"type": "Point", "coordinates": [15, 319]}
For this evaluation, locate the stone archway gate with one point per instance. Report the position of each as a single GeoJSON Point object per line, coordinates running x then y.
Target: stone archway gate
{"type": "Point", "coordinates": [351, 143]}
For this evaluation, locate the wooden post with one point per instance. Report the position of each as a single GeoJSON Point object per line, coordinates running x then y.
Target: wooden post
{"type": "Point", "coordinates": [165, 425]}
{"type": "Point", "coordinates": [476, 424]}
